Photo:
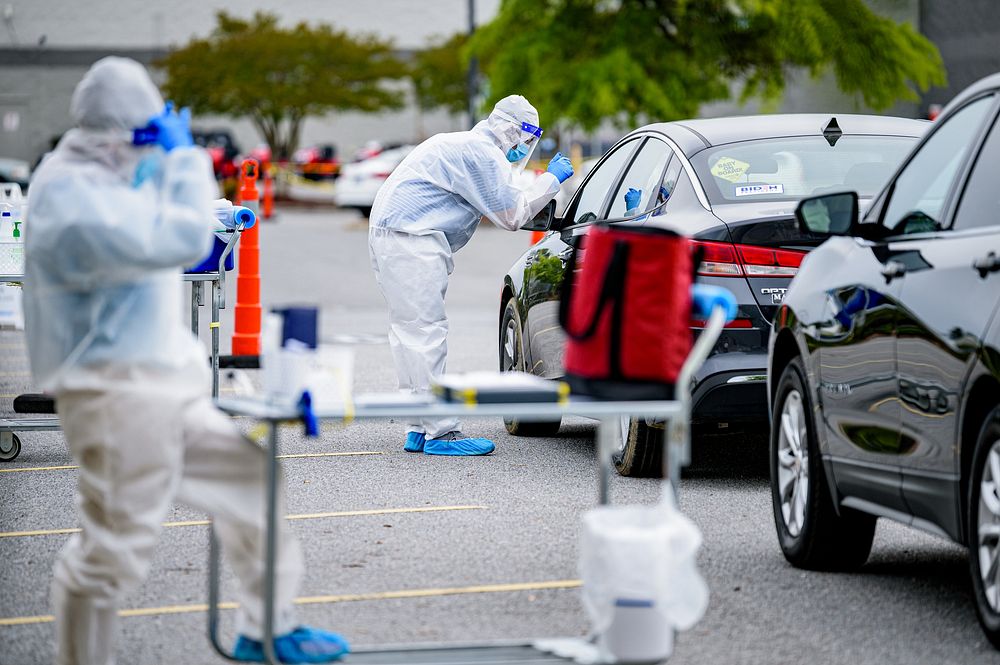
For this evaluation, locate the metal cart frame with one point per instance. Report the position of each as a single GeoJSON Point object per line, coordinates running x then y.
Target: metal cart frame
{"type": "Point", "coordinates": [10, 444]}
{"type": "Point", "coordinates": [677, 445]}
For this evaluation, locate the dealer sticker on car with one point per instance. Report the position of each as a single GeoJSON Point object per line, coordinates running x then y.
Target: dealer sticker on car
{"type": "Point", "coordinates": [750, 190]}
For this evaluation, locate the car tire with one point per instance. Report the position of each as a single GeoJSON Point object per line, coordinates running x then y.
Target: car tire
{"type": "Point", "coordinates": [365, 212]}
{"type": "Point", "coordinates": [811, 532]}
{"type": "Point", "coordinates": [640, 454]}
{"type": "Point", "coordinates": [984, 511]}
{"type": "Point", "coordinates": [512, 360]}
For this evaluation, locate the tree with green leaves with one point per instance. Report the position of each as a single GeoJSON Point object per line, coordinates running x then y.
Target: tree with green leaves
{"type": "Point", "coordinates": [439, 76]}
{"type": "Point", "coordinates": [279, 76]}
{"type": "Point", "coordinates": [584, 61]}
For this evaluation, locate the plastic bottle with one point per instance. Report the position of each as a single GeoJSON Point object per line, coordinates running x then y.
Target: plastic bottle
{"type": "Point", "coordinates": [11, 243]}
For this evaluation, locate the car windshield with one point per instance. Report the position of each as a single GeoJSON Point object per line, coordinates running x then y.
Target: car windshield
{"type": "Point", "coordinates": [783, 169]}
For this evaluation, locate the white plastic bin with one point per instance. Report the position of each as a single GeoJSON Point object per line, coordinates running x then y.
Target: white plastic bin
{"type": "Point", "coordinates": [640, 581]}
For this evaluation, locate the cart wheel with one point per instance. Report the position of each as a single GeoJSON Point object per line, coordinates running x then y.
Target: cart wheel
{"type": "Point", "coordinates": [10, 446]}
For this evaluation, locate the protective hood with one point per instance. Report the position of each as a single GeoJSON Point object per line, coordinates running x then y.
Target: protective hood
{"type": "Point", "coordinates": [110, 149]}
{"type": "Point", "coordinates": [513, 123]}
{"type": "Point", "coordinates": [115, 94]}
{"type": "Point", "coordinates": [506, 118]}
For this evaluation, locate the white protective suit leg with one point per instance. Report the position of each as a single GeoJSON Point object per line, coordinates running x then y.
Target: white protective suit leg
{"type": "Point", "coordinates": [412, 272]}
{"type": "Point", "coordinates": [144, 440]}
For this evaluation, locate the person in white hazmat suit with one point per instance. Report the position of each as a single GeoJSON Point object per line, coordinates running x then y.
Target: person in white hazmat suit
{"type": "Point", "coordinates": [428, 209]}
{"type": "Point", "coordinates": [112, 222]}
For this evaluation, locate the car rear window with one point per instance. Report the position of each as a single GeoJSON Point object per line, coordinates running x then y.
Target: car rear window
{"type": "Point", "coordinates": [783, 169]}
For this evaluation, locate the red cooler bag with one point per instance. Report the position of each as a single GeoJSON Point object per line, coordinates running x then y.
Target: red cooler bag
{"type": "Point", "coordinates": [627, 312]}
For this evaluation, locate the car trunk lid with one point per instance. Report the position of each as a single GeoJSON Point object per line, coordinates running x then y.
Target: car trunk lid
{"type": "Point", "coordinates": [766, 247]}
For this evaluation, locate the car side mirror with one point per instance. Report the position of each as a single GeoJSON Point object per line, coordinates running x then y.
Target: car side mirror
{"type": "Point", "coordinates": [543, 220]}
{"type": "Point", "coordinates": [829, 215]}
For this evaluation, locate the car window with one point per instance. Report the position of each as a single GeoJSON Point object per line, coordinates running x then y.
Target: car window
{"type": "Point", "coordinates": [590, 202]}
{"type": "Point", "coordinates": [643, 175]}
{"type": "Point", "coordinates": [980, 204]}
{"type": "Point", "coordinates": [919, 192]}
{"type": "Point", "coordinates": [670, 182]}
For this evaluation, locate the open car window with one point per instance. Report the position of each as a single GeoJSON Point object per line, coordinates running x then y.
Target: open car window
{"type": "Point", "coordinates": [593, 194]}
{"type": "Point", "coordinates": [643, 176]}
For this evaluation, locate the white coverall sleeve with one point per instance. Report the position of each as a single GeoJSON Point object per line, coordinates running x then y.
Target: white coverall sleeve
{"type": "Point", "coordinates": [488, 185]}
{"type": "Point", "coordinates": [112, 234]}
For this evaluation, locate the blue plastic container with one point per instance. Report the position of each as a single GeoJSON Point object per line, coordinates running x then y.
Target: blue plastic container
{"type": "Point", "coordinates": [211, 262]}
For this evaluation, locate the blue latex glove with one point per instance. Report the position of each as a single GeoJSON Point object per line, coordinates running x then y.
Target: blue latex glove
{"type": "Point", "coordinates": [560, 167]}
{"type": "Point", "coordinates": [705, 298]}
{"type": "Point", "coordinates": [173, 130]}
{"type": "Point", "coordinates": [632, 197]}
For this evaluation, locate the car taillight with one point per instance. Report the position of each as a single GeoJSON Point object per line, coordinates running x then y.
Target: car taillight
{"type": "Point", "coordinates": [723, 259]}
{"type": "Point", "coordinates": [382, 175]}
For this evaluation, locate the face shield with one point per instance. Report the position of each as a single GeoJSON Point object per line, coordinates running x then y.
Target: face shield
{"type": "Point", "coordinates": [528, 138]}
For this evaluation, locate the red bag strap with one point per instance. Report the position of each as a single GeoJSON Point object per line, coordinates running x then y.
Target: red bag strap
{"type": "Point", "coordinates": [614, 281]}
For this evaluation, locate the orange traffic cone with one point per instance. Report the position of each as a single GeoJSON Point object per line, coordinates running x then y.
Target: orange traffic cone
{"type": "Point", "coordinates": [246, 334]}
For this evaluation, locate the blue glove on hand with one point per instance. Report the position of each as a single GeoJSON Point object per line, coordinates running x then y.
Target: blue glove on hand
{"type": "Point", "coordinates": [173, 130]}
{"type": "Point", "coordinates": [560, 167]}
{"type": "Point", "coordinates": [632, 197]}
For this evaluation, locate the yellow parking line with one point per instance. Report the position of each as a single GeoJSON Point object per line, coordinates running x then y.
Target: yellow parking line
{"type": "Point", "coordinates": [304, 516]}
{"type": "Point", "coordinates": [40, 468]}
{"type": "Point", "coordinates": [551, 585]}
{"type": "Point", "coordinates": [352, 454]}
{"type": "Point", "coordinates": [293, 456]}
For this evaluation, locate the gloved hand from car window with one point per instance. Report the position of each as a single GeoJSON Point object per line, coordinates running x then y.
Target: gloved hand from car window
{"type": "Point", "coordinates": [632, 197]}
{"type": "Point", "coordinates": [173, 130]}
{"type": "Point", "coordinates": [560, 167]}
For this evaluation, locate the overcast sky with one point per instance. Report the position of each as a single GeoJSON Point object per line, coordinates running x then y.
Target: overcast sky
{"type": "Point", "coordinates": [151, 23]}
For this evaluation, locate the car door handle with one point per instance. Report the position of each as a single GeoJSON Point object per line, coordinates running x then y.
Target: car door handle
{"type": "Point", "coordinates": [987, 264]}
{"type": "Point", "coordinates": [892, 270]}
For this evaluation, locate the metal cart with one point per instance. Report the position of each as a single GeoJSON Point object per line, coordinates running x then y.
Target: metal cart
{"type": "Point", "coordinates": [675, 413]}
{"type": "Point", "coordinates": [10, 443]}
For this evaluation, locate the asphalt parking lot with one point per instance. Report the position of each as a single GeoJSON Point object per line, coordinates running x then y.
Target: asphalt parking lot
{"type": "Point", "coordinates": [406, 548]}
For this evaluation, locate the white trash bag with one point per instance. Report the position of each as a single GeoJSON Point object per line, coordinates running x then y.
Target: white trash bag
{"type": "Point", "coordinates": [640, 580]}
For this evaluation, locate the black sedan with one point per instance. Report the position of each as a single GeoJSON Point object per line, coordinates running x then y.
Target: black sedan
{"type": "Point", "coordinates": [885, 360]}
{"type": "Point", "coordinates": [732, 185]}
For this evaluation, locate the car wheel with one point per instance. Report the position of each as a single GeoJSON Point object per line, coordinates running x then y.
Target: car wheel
{"type": "Point", "coordinates": [811, 532]}
{"type": "Point", "coordinates": [640, 450]}
{"type": "Point", "coordinates": [512, 360]}
{"type": "Point", "coordinates": [984, 523]}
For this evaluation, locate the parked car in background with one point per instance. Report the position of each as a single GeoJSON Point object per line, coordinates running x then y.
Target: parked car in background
{"type": "Point", "coordinates": [360, 181]}
{"type": "Point", "coordinates": [317, 162]}
{"type": "Point", "coordinates": [732, 185]}
{"type": "Point", "coordinates": [16, 171]}
{"type": "Point", "coordinates": [222, 148]}
{"type": "Point", "coordinates": [884, 360]}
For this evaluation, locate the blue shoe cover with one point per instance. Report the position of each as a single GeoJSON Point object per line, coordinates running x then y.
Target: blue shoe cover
{"type": "Point", "coordinates": [302, 645]}
{"type": "Point", "coordinates": [455, 443]}
{"type": "Point", "coordinates": [414, 442]}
